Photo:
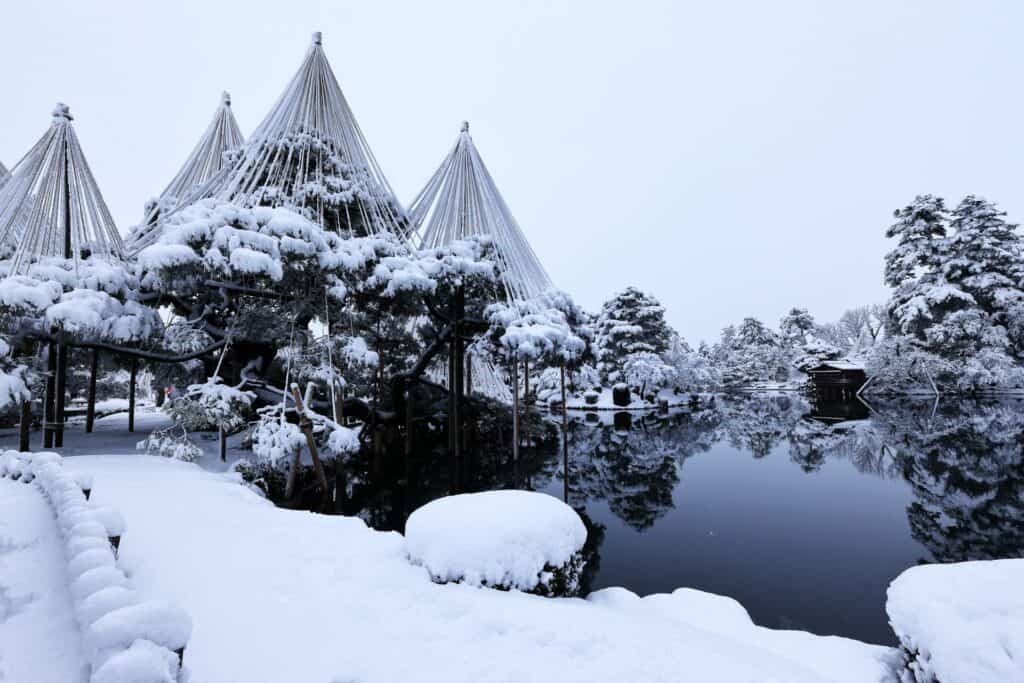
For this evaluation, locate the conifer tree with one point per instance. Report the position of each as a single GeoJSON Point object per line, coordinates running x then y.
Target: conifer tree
{"type": "Point", "coordinates": [630, 322]}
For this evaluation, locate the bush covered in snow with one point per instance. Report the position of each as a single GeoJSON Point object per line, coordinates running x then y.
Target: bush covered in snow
{"type": "Point", "coordinates": [500, 539]}
{"type": "Point", "coordinates": [171, 442]}
{"type": "Point", "coordinates": [211, 405]}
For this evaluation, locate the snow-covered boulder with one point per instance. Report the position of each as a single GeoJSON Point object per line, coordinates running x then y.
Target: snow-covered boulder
{"type": "Point", "coordinates": [960, 622]}
{"type": "Point", "coordinates": [501, 539]}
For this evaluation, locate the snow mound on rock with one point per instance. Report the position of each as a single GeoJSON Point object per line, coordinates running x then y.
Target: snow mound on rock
{"type": "Point", "coordinates": [510, 539]}
{"type": "Point", "coordinates": [961, 622]}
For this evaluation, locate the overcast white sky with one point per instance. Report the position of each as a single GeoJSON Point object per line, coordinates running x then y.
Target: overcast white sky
{"type": "Point", "coordinates": [734, 158]}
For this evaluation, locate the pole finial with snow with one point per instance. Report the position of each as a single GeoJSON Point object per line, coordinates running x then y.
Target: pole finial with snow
{"type": "Point", "coordinates": [465, 127]}
{"type": "Point", "coordinates": [318, 38]}
{"type": "Point", "coordinates": [225, 98]}
{"type": "Point", "coordinates": [62, 111]}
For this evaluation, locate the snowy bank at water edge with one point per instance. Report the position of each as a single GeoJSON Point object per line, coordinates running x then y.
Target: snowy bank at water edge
{"type": "Point", "coordinates": [346, 602]}
{"type": "Point", "coordinates": [125, 638]}
{"type": "Point", "coordinates": [501, 539]}
{"type": "Point", "coordinates": [960, 622]}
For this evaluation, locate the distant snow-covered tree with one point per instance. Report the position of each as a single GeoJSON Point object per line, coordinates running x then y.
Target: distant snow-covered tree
{"type": "Point", "coordinates": [645, 371]}
{"type": "Point", "coordinates": [751, 353]}
{"type": "Point", "coordinates": [630, 322]}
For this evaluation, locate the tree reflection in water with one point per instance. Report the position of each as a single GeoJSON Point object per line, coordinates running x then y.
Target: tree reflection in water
{"type": "Point", "coordinates": [964, 462]}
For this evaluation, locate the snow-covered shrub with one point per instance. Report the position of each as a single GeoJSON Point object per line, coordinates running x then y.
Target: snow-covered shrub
{"type": "Point", "coordinates": [644, 370]}
{"type": "Point", "coordinates": [171, 442]}
{"type": "Point", "coordinates": [212, 405]}
{"type": "Point", "coordinates": [517, 540]}
{"type": "Point", "coordinates": [15, 379]}
{"type": "Point", "coordinates": [275, 441]}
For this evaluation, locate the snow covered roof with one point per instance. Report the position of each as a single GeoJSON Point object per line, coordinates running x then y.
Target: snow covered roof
{"type": "Point", "coordinates": [52, 206]}
{"type": "Point", "coordinates": [310, 126]}
{"type": "Point", "coordinates": [461, 200]}
{"type": "Point", "coordinates": [205, 162]}
{"type": "Point", "coordinates": [4, 174]}
{"type": "Point", "coordinates": [838, 365]}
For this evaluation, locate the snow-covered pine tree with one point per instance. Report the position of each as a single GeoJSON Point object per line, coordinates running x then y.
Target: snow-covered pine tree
{"type": "Point", "coordinates": [985, 261]}
{"type": "Point", "coordinates": [630, 322]}
{"type": "Point", "coordinates": [750, 353]}
{"type": "Point", "coordinates": [795, 326]}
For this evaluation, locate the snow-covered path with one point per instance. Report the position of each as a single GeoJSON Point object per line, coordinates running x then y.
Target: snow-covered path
{"type": "Point", "coordinates": [279, 595]}
{"type": "Point", "coordinates": [39, 639]}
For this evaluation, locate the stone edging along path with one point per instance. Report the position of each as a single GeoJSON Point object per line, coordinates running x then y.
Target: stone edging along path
{"type": "Point", "coordinates": [124, 636]}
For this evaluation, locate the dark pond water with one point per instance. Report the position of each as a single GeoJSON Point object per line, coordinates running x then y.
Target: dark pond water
{"type": "Point", "coordinates": [803, 513]}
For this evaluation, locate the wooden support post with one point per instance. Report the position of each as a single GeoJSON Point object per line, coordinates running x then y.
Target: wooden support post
{"type": "Point", "coordinates": [307, 428]}
{"type": "Point", "coordinates": [24, 425]}
{"type": "Point", "coordinates": [515, 411]}
{"type": "Point", "coordinates": [410, 427]}
{"type": "Point", "coordinates": [459, 366]}
{"type": "Point", "coordinates": [61, 390]}
{"type": "Point", "coordinates": [223, 445]}
{"type": "Point", "coordinates": [526, 401]}
{"type": "Point", "coordinates": [565, 442]}
{"type": "Point", "coordinates": [51, 393]}
{"type": "Point", "coordinates": [526, 382]}
{"type": "Point", "coordinates": [131, 394]}
{"type": "Point", "coordinates": [469, 374]}
{"type": "Point", "coordinates": [90, 407]}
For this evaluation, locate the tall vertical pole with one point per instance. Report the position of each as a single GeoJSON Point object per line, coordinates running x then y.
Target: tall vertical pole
{"type": "Point", "coordinates": [49, 405]}
{"type": "Point", "coordinates": [515, 410]}
{"type": "Point", "coordinates": [61, 390]}
{"type": "Point", "coordinates": [565, 441]}
{"type": "Point", "coordinates": [460, 368]}
{"type": "Point", "coordinates": [23, 426]}
{"type": "Point", "coordinates": [131, 394]}
{"type": "Point", "coordinates": [62, 350]}
{"type": "Point", "coordinates": [90, 408]}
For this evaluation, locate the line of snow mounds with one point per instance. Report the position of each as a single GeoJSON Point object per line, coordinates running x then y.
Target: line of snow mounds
{"type": "Point", "coordinates": [506, 539]}
{"type": "Point", "coordinates": [960, 622]}
{"type": "Point", "coordinates": [127, 639]}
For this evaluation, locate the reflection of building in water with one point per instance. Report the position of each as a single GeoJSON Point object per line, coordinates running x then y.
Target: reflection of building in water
{"type": "Point", "coordinates": [837, 380]}
{"type": "Point", "coordinates": [831, 412]}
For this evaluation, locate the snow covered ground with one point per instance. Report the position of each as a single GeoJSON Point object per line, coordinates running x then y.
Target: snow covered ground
{"type": "Point", "coordinates": [39, 639]}
{"type": "Point", "coordinates": [280, 595]}
{"type": "Point", "coordinates": [961, 622]}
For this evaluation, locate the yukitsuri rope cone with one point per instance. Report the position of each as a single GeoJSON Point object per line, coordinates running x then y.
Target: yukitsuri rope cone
{"type": "Point", "coordinates": [461, 200]}
{"type": "Point", "coordinates": [208, 158]}
{"type": "Point", "coordinates": [310, 155]}
{"type": "Point", "coordinates": [52, 206]}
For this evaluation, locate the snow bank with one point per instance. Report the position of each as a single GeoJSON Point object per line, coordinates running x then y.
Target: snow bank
{"type": "Point", "coordinates": [126, 639]}
{"type": "Point", "coordinates": [508, 539]}
{"type": "Point", "coordinates": [961, 622]}
{"type": "Point", "coordinates": [347, 598]}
